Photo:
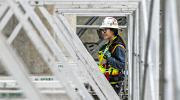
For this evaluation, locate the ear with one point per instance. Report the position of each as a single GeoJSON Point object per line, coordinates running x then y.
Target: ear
{"type": "Point", "coordinates": [112, 32]}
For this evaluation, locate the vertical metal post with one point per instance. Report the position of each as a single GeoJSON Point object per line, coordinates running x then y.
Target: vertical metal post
{"type": "Point", "coordinates": [171, 86]}
{"type": "Point", "coordinates": [152, 55]}
{"type": "Point", "coordinates": [178, 7]}
{"type": "Point", "coordinates": [137, 53]}
{"type": "Point", "coordinates": [141, 46]}
{"type": "Point", "coordinates": [167, 92]}
{"type": "Point", "coordinates": [126, 61]}
{"type": "Point", "coordinates": [148, 54]}
{"type": "Point", "coordinates": [176, 48]}
{"type": "Point", "coordinates": [143, 34]}
{"type": "Point", "coordinates": [130, 22]}
{"type": "Point", "coordinates": [134, 63]}
{"type": "Point", "coordinates": [155, 48]}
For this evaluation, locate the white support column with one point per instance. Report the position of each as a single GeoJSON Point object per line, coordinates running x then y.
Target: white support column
{"type": "Point", "coordinates": [176, 47]}
{"type": "Point", "coordinates": [154, 48]}
{"type": "Point", "coordinates": [171, 86]}
{"type": "Point", "coordinates": [143, 38]}
{"type": "Point", "coordinates": [148, 89]}
{"type": "Point", "coordinates": [126, 62]}
{"type": "Point", "coordinates": [137, 53]}
{"type": "Point", "coordinates": [130, 24]}
{"type": "Point", "coordinates": [178, 7]}
{"type": "Point", "coordinates": [134, 58]}
{"type": "Point", "coordinates": [141, 47]}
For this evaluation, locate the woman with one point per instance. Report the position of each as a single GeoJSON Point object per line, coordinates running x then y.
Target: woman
{"type": "Point", "coordinates": [112, 55]}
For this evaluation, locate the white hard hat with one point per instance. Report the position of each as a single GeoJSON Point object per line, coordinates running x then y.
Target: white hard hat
{"type": "Point", "coordinates": [109, 22]}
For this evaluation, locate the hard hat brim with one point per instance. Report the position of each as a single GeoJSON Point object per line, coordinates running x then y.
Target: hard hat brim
{"type": "Point", "coordinates": [109, 27]}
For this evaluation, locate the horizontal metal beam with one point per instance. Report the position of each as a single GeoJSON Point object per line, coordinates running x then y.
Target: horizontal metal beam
{"type": "Point", "coordinates": [94, 26]}
{"type": "Point", "coordinates": [83, 3]}
{"type": "Point", "coordinates": [96, 6]}
{"type": "Point", "coordinates": [42, 91]}
{"type": "Point", "coordinates": [83, 0]}
{"type": "Point", "coordinates": [39, 84]}
{"type": "Point", "coordinates": [99, 14]}
{"type": "Point", "coordinates": [124, 10]}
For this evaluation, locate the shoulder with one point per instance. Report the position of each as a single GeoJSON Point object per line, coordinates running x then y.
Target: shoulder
{"type": "Point", "coordinates": [119, 46]}
{"type": "Point", "coordinates": [119, 52]}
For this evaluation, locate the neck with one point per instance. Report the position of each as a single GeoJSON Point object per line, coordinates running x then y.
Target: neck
{"type": "Point", "coordinates": [111, 39]}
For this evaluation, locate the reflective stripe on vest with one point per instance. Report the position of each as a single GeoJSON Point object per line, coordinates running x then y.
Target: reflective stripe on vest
{"type": "Point", "coordinates": [116, 46]}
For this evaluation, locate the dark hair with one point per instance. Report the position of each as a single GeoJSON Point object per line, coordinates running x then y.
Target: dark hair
{"type": "Point", "coordinates": [117, 40]}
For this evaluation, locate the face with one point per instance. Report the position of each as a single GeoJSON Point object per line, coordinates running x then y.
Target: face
{"type": "Point", "coordinates": [107, 33]}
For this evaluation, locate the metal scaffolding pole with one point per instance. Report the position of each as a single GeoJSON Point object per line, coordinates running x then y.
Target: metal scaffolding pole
{"type": "Point", "coordinates": [178, 7]}
{"type": "Point", "coordinates": [141, 46]}
{"type": "Point", "coordinates": [126, 68]}
{"type": "Point", "coordinates": [167, 92]}
{"type": "Point", "coordinates": [134, 57]}
{"type": "Point", "coordinates": [151, 54]}
{"type": "Point", "coordinates": [154, 49]}
{"type": "Point", "coordinates": [171, 86]}
{"type": "Point", "coordinates": [90, 23]}
{"type": "Point", "coordinates": [137, 53]}
{"type": "Point", "coordinates": [75, 10]}
{"type": "Point", "coordinates": [143, 32]}
{"type": "Point", "coordinates": [130, 28]}
{"type": "Point", "coordinates": [176, 48]}
{"type": "Point", "coordinates": [84, 24]}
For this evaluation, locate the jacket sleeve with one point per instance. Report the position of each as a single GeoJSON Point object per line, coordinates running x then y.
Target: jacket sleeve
{"type": "Point", "coordinates": [118, 60]}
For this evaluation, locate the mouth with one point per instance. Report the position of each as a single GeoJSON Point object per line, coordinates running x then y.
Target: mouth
{"type": "Point", "coordinates": [105, 36]}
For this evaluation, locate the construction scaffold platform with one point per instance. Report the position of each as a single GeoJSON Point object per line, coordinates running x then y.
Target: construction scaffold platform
{"type": "Point", "coordinates": [152, 62]}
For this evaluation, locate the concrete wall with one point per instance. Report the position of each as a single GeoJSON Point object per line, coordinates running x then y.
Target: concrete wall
{"type": "Point", "coordinates": [71, 18]}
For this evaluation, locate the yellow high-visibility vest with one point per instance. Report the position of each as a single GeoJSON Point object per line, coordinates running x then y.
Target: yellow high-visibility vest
{"type": "Point", "coordinates": [104, 68]}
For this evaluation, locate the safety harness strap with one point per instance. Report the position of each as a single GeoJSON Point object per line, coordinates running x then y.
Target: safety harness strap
{"type": "Point", "coordinates": [107, 47]}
